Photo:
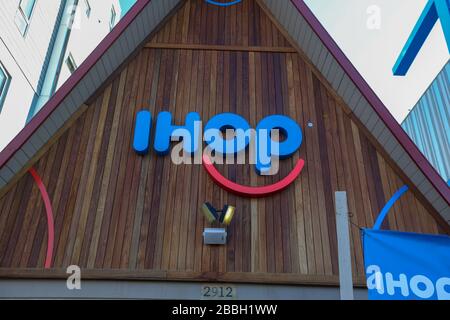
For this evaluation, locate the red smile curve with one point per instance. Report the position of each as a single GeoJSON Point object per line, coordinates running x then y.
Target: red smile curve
{"type": "Point", "coordinates": [247, 191]}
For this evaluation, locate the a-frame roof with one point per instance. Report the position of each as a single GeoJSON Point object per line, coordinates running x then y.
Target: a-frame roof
{"type": "Point", "coordinates": [305, 31]}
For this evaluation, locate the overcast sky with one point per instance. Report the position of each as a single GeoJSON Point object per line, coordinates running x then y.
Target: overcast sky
{"type": "Point", "coordinates": [375, 51]}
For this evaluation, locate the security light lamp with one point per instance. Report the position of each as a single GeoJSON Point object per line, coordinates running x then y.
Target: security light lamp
{"type": "Point", "coordinates": [227, 214]}
{"type": "Point", "coordinates": [224, 216]}
{"type": "Point", "coordinates": [209, 212]}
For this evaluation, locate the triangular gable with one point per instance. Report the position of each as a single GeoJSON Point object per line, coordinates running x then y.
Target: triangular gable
{"type": "Point", "coordinates": [117, 210]}
{"type": "Point", "coordinates": [304, 29]}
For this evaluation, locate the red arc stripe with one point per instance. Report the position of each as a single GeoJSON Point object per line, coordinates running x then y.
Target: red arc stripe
{"type": "Point", "coordinates": [247, 191]}
{"type": "Point", "coordinates": [50, 222]}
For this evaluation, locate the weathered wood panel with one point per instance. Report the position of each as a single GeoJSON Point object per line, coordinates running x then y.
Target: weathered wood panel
{"type": "Point", "coordinates": [244, 24]}
{"type": "Point", "coordinates": [117, 210]}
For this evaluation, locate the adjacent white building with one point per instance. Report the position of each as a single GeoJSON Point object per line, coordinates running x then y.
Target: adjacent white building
{"type": "Point", "coordinates": [42, 42]}
{"type": "Point", "coordinates": [26, 30]}
{"type": "Point", "coordinates": [93, 20]}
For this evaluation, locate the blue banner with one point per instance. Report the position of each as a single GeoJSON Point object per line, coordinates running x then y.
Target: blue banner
{"type": "Point", "coordinates": [406, 266]}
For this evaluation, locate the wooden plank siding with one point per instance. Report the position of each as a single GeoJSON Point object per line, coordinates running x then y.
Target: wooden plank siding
{"type": "Point", "coordinates": [117, 210]}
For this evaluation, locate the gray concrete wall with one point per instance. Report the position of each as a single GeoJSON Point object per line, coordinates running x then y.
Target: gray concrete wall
{"type": "Point", "coordinates": [90, 289]}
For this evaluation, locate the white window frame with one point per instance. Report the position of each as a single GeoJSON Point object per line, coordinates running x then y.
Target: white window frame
{"type": "Point", "coordinates": [88, 8]}
{"type": "Point", "coordinates": [71, 61]}
{"type": "Point", "coordinates": [26, 20]}
{"type": "Point", "coordinates": [112, 18]}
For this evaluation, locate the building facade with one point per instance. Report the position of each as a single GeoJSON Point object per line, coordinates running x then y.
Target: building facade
{"type": "Point", "coordinates": [120, 216]}
{"type": "Point", "coordinates": [428, 124]}
{"type": "Point", "coordinates": [41, 43]}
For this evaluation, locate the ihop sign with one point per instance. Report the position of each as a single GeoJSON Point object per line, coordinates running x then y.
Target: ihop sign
{"type": "Point", "coordinates": [406, 266]}
{"type": "Point", "coordinates": [275, 137]}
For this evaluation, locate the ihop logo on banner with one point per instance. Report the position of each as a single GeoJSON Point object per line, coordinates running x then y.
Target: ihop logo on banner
{"type": "Point", "coordinates": [406, 266]}
{"type": "Point", "coordinates": [227, 136]}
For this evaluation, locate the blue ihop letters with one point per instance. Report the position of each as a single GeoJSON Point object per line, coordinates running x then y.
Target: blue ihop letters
{"type": "Point", "coordinates": [142, 132]}
{"type": "Point", "coordinates": [291, 133]}
{"type": "Point", "coordinates": [221, 122]}
{"type": "Point", "coordinates": [165, 131]}
{"type": "Point", "coordinates": [190, 133]}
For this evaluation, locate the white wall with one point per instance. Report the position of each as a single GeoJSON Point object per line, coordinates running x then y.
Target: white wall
{"type": "Point", "coordinates": [17, 102]}
{"type": "Point", "coordinates": [23, 58]}
{"type": "Point", "coordinates": [87, 33]}
{"type": "Point", "coordinates": [29, 51]}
